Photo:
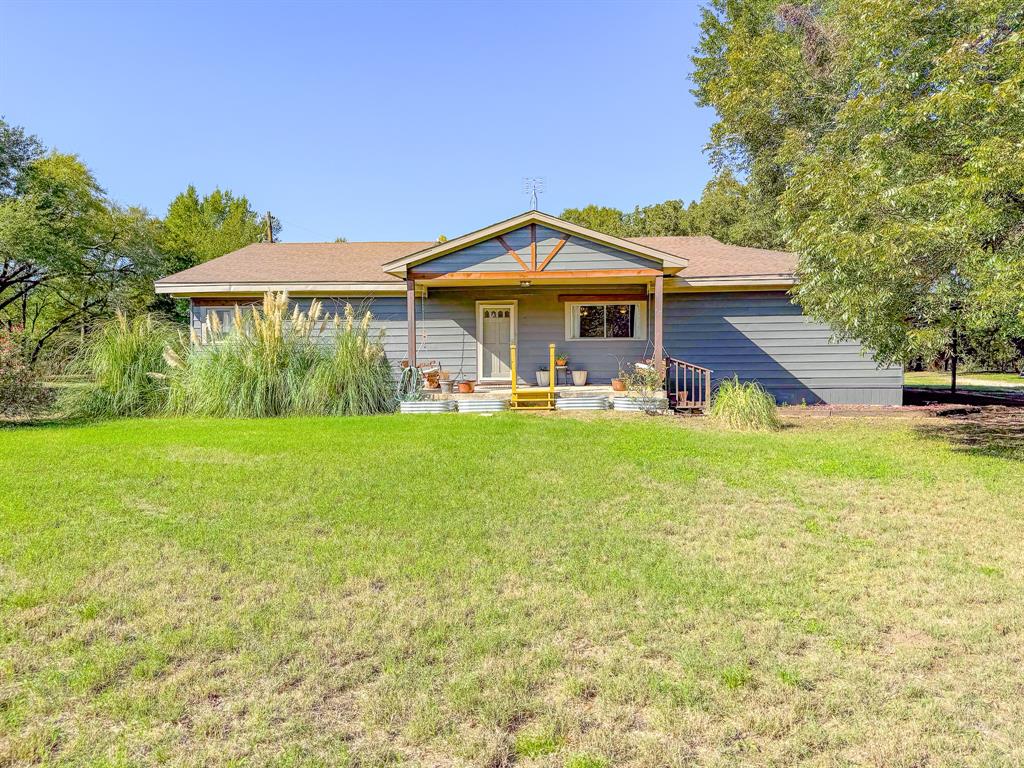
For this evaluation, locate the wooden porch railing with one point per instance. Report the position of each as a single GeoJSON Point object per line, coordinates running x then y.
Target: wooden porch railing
{"type": "Point", "coordinates": [688, 385]}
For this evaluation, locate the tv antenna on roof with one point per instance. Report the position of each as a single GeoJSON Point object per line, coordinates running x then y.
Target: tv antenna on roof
{"type": "Point", "coordinates": [533, 186]}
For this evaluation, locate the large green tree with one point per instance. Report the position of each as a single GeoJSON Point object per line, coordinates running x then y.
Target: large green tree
{"type": "Point", "coordinates": [197, 229]}
{"type": "Point", "coordinates": [891, 133]}
{"type": "Point", "coordinates": [671, 217]}
{"type": "Point", "coordinates": [728, 211]}
{"type": "Point", "coordinates": [17, 150]}
{"type": "Point", "coordinates": [69, 254]}
{"type": "Point", "coordinates": [736, 213]}
{"type": "Point", "coordinates": [600, 218]}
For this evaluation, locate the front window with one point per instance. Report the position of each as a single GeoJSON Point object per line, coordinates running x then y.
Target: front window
{"type": "Point", "coordinates": [225, 322]}
{"type": "Point", "coordinates": [611, 320]}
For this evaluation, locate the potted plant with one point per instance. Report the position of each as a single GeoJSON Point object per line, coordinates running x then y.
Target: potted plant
{"type": "Point", "coordinates": [579, 378]}
{"type": "Point", "coordinates": [444, 378]}
{"type": "Point", "coordinates": [466, 386]}
{"type": "Point", "coordinates": [543, 377]}
{"type": "Point", "coordinates": [645, 390]}
{"type": "Point", "coordinates": [561, 360]}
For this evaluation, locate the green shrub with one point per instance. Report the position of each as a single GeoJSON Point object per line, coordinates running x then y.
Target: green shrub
{"type": "Point", "coordinates": [21, 390]}
{"type": "Point", "coordinates": [744, 405]}
{"type": "Point", "coordinates": [270, 363]}
{"type": "Point", "coordinates": [123, 359]}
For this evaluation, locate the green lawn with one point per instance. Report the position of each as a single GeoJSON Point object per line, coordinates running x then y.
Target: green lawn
{"type": "Point", "coordinates": [528, 590]}
{"type": "Point", "coordinates": [978, 382]}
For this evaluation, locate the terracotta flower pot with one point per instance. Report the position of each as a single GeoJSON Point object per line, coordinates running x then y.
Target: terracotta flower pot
{"type": "Point", "coordinates": [618, 385]}
{"type": "Point", "coordinates": [465, 387]}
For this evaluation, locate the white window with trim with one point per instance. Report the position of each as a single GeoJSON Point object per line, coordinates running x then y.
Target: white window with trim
{"type": "Point", "coordinates": [603, 321]}
{"type": "Point", "coordinates": [225, 321]}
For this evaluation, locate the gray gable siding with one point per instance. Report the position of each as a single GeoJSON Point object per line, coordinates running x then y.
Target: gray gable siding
{"type": "Point", "coordinates": [578, 253]}
{"type": "Point", "coordinates": [754, 335]}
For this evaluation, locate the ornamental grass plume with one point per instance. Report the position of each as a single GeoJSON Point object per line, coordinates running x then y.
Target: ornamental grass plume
{"type": "Point", "coordinates": [275, 362]}
{"type": "Point", "coordinates": [744, 406]}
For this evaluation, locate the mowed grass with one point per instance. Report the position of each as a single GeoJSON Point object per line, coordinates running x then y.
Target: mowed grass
{"type": "Point", "coordinates": [980, 382]}
{"type": "Point", "coordinates": [512, 590]}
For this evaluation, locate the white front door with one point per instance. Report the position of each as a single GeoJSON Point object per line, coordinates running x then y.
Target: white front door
{"type": "Point", "coordinates": [495, 333]}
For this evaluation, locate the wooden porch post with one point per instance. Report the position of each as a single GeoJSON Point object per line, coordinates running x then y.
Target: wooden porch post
{"type": "Point", "coordinates": [410, 318]}
{"type": "Point", "coordinates": [659, 322]}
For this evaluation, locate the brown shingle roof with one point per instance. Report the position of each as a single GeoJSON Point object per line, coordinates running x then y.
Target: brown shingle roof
{"type": "Point", "coordinates": [300, 263]}
{"type": "Point", "coordinates": [361, 262]}
{"type": "Point", "coordinates": [713, 258]}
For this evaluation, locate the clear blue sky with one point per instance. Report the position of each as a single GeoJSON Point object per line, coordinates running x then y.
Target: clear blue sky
{"type": "Point", "coordinates": [372, 121]}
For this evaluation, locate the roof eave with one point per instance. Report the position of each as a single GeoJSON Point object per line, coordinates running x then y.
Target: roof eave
{"type": "Point", "coordinates": [779, 280]}
{"type": "Point", "coordinates": [277, 286]}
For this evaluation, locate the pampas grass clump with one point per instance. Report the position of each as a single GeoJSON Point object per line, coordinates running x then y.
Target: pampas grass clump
{"type": "Point", "coordinates": [744, 406]}
{"type": "Point", "coordinates": [124, 361]}
{"type": "Point", "coordinates": [354, 378]}
{"type": "Point", "coordinates": [270, 363]}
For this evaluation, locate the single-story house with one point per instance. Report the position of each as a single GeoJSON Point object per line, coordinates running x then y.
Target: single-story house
{"type": "Point", "coordinates": [534, 279]}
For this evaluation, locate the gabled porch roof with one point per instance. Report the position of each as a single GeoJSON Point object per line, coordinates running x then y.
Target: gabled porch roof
{"type": "Point", "coordinates": [535, 266]}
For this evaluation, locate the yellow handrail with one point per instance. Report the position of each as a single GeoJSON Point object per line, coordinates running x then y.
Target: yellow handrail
{"type": "Point", "coordinates": [551, 369]}
{"type": "Point", "coordinates": [513, 347]}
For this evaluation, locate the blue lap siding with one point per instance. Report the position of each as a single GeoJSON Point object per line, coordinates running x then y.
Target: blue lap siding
{"type": "Point", "coordinates": [753, 335]}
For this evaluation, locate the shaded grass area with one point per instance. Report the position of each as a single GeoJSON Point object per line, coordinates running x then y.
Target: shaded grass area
{"type": "Point", "coordinates": [976, 382]}
{"type": "Point", "coordinates": [505, 590]}
{"type": "Point", "coordinates": [991, 431]}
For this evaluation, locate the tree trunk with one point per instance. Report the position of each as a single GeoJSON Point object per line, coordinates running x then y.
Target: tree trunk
{"type": "Point", "coordinates": [953, 361]}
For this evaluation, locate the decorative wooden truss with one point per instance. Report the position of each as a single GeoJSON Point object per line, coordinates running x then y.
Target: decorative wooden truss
{"type": "Point", "coordinates": [533, 270]}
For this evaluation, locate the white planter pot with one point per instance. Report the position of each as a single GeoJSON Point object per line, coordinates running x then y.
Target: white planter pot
{"type": "Point", "coordinates": [543, 378]}
{"type": "Point", "coordinates": [579, 378]}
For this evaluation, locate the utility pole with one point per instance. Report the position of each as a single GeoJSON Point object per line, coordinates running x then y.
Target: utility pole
{"type": "Point", "coordinates": [270, 228]}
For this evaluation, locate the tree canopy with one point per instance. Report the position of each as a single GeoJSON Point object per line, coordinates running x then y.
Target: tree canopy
{"type": "Point", "coordinates": [68, 253]}
{"type": "Point", "coordinates": [728, 211]}
{"type": "Point", "coordinates": [197, 229]}
{"type": "Point", "coordinates": [70, 256]}
{"type": "Point", "coordinates": [891, 135]}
